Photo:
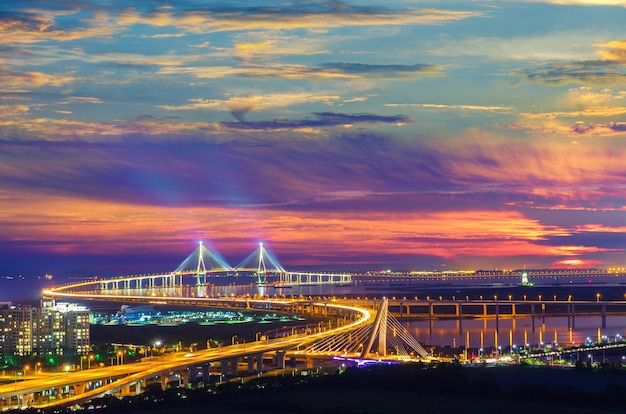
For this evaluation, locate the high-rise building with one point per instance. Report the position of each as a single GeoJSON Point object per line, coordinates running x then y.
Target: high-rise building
{"type": "Point", "coordinates": [16, 329]}
{"type": "Point", "coordinates": [52, 329]}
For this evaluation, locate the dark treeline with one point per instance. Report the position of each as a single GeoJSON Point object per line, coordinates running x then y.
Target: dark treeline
{"type": "Point", "coordinates": [441, 379]}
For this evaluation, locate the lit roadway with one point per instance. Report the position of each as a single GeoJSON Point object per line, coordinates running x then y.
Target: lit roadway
{"type": "Point", "coordinates": [129, 374]}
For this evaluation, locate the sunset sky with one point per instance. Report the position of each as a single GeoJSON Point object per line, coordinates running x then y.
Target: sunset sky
{"type": "Point", "coordinates": [409, 135]}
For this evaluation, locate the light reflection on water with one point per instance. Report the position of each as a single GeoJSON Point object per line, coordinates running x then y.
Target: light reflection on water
{"type": "Point", "coordinates": [451, 332]}
{"type": "Point", "coordinates": [518, 331]}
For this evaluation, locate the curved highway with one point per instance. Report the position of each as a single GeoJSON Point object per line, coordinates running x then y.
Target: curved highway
{"type": "Point", "coordinates": [121, 376]}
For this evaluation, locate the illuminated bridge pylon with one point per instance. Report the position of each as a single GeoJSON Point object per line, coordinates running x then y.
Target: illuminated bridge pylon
{"type": "Point", "coordinates": [261, 262]}
{"type": "Point", "coordinates": [202, 261]}
{"type": "Point", "coordinates": [373, 340]}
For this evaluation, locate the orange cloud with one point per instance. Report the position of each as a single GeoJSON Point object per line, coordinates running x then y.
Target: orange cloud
{"type": "Point", "coordinates": [616, 51]}
{"type": "Point", "coordinates": [257, 102]}
{"type": "Point", "coordinates": [16, 81]}
{"type": "Point", "coordinates": [70, 225]}
{"type": "Point", "coordinates": [275, 19]}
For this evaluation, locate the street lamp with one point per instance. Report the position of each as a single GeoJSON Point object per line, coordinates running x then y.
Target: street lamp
{"type": "Point", "coordinates": [258, 335]}
{"type": "Point", "coordinates": [89, 361]}
{"type": "Point", "coordinates": [232, 340]}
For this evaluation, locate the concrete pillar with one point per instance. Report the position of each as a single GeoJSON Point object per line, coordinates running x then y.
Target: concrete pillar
{"type": "Point", "coordinates": [183, 379]}
{"type": "Point", "coordinates": [532, 316]}
{"type": "Point", "coordinates": [604, 316]}
{"type": "Point", "coordinates": [234, 368]}
{"type": "Point", "coordinates": [206, 372]}
{"type": "Point", "coordinates": [24, 399]}
{"type": "Point", "coordinates": [192, 374]}
{"type": "Point", "coordinates": [431, 309]}
{"type": "Point", "coordinates": [573, 317]}
{"type": "Point", "coordinates": [513, 310]}
{"type": "Point", "coordinates": [497, 316]}
{"type": "Point", "coordinates": [484, 309]}
{"type": "Point", "coordinates": [280, 359]}
{"type": "Point", "coordinates": [79, 388]}
{"type": "Point", "coordinates": [163, 379]}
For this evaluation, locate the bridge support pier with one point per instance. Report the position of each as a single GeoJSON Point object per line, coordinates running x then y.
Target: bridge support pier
{"type": "Point", "coordinates": [206, 373]}
{"type": "Point", "coordinates": [230, 367]}
{"type": "Point", "coordinates": [497, 316]}
{"type": "Point", "coordinates": [79, 388]}
{"type": "Point", "coordinates": [280, 359]}
{"type": "Point", "coordinates": [255, 358]}
{"type": "Point", "coordinates": [569, 315]}
{"type": "Point", "coordinates": [603, 316]}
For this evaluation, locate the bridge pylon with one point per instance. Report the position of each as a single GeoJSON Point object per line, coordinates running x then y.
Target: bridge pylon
{"type": "Point", "coordinates": [373, 340]}
{"type": "Point", "coordinates": [261, 262]}
{"type": "Point", "coordinates": [201, 262]}
{"type": "Point", "coordinates": [379, 330]}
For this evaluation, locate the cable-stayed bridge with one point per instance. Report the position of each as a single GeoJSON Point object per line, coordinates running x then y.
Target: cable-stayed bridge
{"type": "Point", "coordinates": [203, 263]}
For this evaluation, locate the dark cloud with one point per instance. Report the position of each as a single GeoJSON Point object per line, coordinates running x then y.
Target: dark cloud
{"type": "Point", "coordinates": [612, 126]}
{"type": "Point", "coordinates": [593, 72]}
{"type": "Point", "coordinates": [599, 239]}
{"type": "Point", "coordinates": [240, 111]}
{"type": "Point", "coordinates": [320, 120]}
{"type": "Point", "coordinates": [379, 70]}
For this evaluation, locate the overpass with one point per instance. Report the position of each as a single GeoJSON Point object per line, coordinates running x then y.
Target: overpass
{"type": "Point", "coordinates": [359, 332]}
{"type": "Point", "coordinates": [81, 386]}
